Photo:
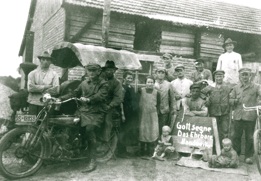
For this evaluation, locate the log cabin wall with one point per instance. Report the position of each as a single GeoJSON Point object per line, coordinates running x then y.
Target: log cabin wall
{"type": "Point", "coordinates": [211, 48]}
{"type": "Point", "coordinates": [177, 40]}
{"type": "Point", "coordinates": [121, 32]}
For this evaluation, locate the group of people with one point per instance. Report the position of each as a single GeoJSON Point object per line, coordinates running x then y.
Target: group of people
{"type": "Point", "coordinates": [148, 116]}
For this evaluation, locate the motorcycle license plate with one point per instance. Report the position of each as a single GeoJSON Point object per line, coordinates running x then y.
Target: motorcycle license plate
{"type": "Point", "coordinates": [25, 118]}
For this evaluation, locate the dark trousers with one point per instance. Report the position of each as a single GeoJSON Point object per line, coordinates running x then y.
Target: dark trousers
{"type": "Point", "coordinates": [248, 127]}
{"type": "Point", "coordinates": [147, 148]}
{"type": "Point", "coordinates": [91, 138]}
{"type": "Point", "coordinates": [34, 109]}
{"type": "Point", "coordinates": [163, 120]}
{"type": "Point", "coordinates": [223, 126]}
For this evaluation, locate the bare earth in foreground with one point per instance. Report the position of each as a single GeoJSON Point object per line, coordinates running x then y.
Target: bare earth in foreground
{"type": "Point", "coordinates": [135, 169]}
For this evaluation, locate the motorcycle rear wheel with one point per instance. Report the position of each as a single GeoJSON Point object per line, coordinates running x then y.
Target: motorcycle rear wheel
{"type": "Point", "coordinates": [108, 148]}
{"type": "Point", "coordinates": [17, 160]}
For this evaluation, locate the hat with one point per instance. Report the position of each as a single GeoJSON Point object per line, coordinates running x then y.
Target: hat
{"type": "Point", "coordinates": [245, 69]}
{"type": "Point", "coordinates": [167, 56]}
{"type": "Point", "coordinates": [195, 86]}
{"type": "Point", "coordinates": [219, 72]}
{"type": "Point", "coordinates": [160, 69]}
{"type": "Point", "coordinates": [93, 66]}
{"type": "Point", "coordinates": [46, 55]}
{"type": "Point", "coordinates": [229, 41]}
{"type": "Point", "coordinates": [179, 66]}
{"type": "Point", "coordinates": [109, 64]}
{"type": "Point", "coordinates": [199, 61]}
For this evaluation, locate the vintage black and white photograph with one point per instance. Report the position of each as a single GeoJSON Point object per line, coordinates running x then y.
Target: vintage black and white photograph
{"type": "Point", "coordinates": [130, 90]}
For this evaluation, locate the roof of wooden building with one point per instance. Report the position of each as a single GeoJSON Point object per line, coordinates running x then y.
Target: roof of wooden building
{"type": "Point", "coordinates": [207, 13]}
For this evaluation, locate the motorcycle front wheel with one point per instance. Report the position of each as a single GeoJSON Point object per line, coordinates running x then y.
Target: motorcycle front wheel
{"type": "Point", "coordinates": [18, 157]}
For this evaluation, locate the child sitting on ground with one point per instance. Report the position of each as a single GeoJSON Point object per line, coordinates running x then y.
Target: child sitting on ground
{"type": "Point", "coordinates": [227, 159]}
{"type": "Point", "coordinates": [165, 144]}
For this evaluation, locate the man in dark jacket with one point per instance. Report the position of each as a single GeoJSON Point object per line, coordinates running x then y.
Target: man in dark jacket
{"type": "Point", "coordinates": [248, 94]}
{"type": "Point", "coordinates": [93, 92]}
{"type": "Point", "coordinates": [114, 99]}
{"type": "Point", "coordinates": [218, 103]}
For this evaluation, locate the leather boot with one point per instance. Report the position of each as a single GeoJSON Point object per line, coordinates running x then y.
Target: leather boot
{"type": "Point", "coordinates": [91, 167]}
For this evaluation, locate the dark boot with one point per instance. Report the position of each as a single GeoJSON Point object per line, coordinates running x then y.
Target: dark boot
{"type": "Point", "coordinates": [91, 167]}
{"type": "Point", "coordinates": [142, 149]}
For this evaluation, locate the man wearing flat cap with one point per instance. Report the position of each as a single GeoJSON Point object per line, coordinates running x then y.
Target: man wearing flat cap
{"type": "Point", "coordinates": [230, 62]}
{"type": "Point", "coordinates": [170, 72]}
{"type": "Point", "coordinates": [248, 94]}
{"type": "Point", "coordinates": [166, 102]}
{"type": "Point", "coordinates": [180, 86]}
{"type": "Point", "coordinates": [39, 81]}
{"type": "Point", "coordinates": [114, 99]}
{"type": "Point", "coordinates": [195, 105]}
{"type": "Point", "coordinates": [93, 92]}
{"type": "Point", "coordinates": [201, 73]}
{"type": "Point", "coordinates": [218, 102]}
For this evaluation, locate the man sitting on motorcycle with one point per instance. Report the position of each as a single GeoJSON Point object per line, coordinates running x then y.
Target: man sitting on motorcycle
{"type": "Point", "coordinates": [93, 92]}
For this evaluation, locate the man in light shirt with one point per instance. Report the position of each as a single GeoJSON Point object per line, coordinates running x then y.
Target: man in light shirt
{"type": "Point", "coordinates": [230, 62]}
{"type": "Point", "coordinates": [180, 86]}
{"type": "Point", "coordinates": [39, 81]}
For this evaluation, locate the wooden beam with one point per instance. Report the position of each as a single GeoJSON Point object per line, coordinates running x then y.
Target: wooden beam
{"type": "Point", "coordinates": [197, 43]}
{"type": "Point", "coordinates": [84, 29]}
{"type": "Point", "coordinates": [106, 23]}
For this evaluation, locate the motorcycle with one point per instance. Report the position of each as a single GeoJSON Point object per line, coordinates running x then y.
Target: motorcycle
{"type": "Point", "coordinates": [48, 137]}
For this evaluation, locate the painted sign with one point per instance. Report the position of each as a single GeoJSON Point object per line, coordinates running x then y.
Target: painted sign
{"type": "Point", "coordinates": [194, 134]}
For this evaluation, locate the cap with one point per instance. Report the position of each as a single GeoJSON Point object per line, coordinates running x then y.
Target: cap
{"type": "Point", "coordinates": [245, 69]}
{"type": "Point", "coordinates": [219, 72]}
{"type": "Point", "coordinates": [46, 55]}
{"type": "Point", "coordinates": [198, 62]}
{"type": "Point", "coordinates": [93, 66]}
{"type": "Point", "coordinates": [179, 66]}
{"type": "Point", "coordinates": [160, 69]}
{"type": "Point", "coordinates": [167, 56]}
{"type": "Point", "coordinates": [195, 86]}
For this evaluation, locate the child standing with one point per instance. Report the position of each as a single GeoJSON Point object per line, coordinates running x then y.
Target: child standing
{"type": "Point", "coordinates": [149, 124]}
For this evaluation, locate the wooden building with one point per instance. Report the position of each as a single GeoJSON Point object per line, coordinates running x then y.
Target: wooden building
{"type": "Point", "coordinates": [187, 29]}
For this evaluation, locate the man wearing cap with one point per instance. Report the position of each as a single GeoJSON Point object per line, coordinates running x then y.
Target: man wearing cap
{"type": "Point", "coordinates": [248, 94]}
{"type": "Point", "coordinates": [114, 99]}
{"type": "Point", "coordinates": [195, 105]}
{"type": "Point", "coordinates": [93, 92]}
{"type": "Point", "coordinates": [170, 72]}
{"type": "Point", "coordinates": [218, 103]}
{"type": "Point", "coordinates": [230, 62]}
{"type": "Point", "coordinates": [166, 102]}
{"type": "Point", "coordinates": [39, 80]}
{"type": "Point", "coordinates": [180, 86]}
{"type": "Point", "coordinates": [201, 73]}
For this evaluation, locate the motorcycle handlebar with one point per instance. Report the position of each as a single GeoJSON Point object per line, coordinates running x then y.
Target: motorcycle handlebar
{"type": "Point", "coordinates": [252, 108]}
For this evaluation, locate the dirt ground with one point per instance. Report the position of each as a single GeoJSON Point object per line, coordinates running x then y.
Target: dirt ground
{"type": "Point", "coordinates": [133, 169]}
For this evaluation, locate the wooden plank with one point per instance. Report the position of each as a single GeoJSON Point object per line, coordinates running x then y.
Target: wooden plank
{"type": "Point", "coordinates": [92, 33]}
{"type": "Point", "coordinates": [176, 29]}
{"type": "Point", "coordinates": [177, 39]}
{"type": "Point", "coordinates": [175, 34]}
{"type": "Point", "coordinates": [211, 46]}
{"type": "Point", "coordinates": [115, 29]}
{"type": "Point", "coordinates": [209, 55]}
{"type": "Point", "coordinates": [177, 43]}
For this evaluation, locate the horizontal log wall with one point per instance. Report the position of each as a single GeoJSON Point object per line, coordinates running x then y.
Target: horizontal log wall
{"type": "Point", "coordinates": [121, 32]}
{"type": "Point", "coordinates": [177, 40]}
{"type": "Point", "coordinates": [211, 45]}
